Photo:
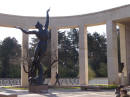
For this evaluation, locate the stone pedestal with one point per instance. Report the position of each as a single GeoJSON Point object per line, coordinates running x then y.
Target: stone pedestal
{"type": "Point", "coordinates": [38, 88]}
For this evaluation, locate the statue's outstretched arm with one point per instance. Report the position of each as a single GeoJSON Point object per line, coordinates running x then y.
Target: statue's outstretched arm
{"type": "Point", "coordinates": [47, 19]}
{"type": "Point", "coordinates": [26, 32]}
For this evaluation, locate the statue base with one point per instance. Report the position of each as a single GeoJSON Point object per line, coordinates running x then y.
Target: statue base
{"type": "Point", "coordinates": [38, 88]}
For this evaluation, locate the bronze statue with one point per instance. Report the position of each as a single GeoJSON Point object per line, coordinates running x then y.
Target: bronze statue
{"type": "Point", "coordinates": [42, 35]}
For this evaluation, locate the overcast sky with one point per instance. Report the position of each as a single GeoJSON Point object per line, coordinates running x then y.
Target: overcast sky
{"type": "Point", "coordinates": [58, 8]}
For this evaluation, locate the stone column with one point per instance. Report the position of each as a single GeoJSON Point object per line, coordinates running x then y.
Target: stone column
{"type": "Point", "coordinates": [24, 76]}
{"type": "Point", "coordinates": [112, 56]}
{"type": "Point", "coordinates": [54, 54]}
{"type": "Point", "coordinates": [123, 46]}
{"type": "Point", "coordinates": [127, 28]}
{"type": "Point", "coordinates": [83, 55]}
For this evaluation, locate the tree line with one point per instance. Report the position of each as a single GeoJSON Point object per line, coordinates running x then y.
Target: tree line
{"type": "Point", "coordinates": [10, 54]}
{"type": "Point", "coordinates": [68, 55]}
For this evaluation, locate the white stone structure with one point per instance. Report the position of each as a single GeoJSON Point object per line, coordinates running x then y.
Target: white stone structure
{"type": "Point", "coordinates": [117, 16]}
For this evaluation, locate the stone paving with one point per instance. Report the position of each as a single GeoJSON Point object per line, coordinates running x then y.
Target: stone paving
{"type": "Point", "coordinates": [60, 93]}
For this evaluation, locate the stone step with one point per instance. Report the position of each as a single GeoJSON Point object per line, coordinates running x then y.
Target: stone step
{"type": "Point", "coordinates": [7, 95]}
{"type": "Point", "coordinates": [90, 88]}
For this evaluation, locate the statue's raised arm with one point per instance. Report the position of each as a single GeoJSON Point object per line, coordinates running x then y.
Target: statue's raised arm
{"type": "Point", "coordinates": [47, 19]}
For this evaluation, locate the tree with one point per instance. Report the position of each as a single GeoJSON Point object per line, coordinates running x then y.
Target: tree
{"type": "Point", "coordinates": [68, 53]}
{"type": "Point", "coordinates": [91, 72]}
{"type": "Point", "coordinates": [10, 58]}
{"type": "Point", "coordinates": [102, 71]}
{"type": "Point", "coordinates": [97, 53]}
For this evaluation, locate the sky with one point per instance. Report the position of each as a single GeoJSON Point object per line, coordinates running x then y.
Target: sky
{"type": "Point", "coordinates": [58, 8]}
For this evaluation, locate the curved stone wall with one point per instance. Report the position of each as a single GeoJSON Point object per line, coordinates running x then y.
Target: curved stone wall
{"type": "Point", "coordinates": [115, 14]}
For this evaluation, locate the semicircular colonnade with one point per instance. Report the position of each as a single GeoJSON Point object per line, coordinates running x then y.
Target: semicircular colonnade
{"type": "Point", "coordinates": [117, 16]}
